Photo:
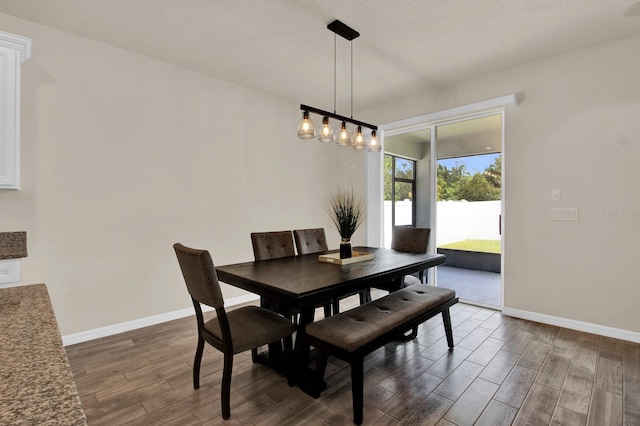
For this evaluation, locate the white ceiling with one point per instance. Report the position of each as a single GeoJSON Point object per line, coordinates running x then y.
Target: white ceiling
{"type": "Point", "coordinates": [282, 47]}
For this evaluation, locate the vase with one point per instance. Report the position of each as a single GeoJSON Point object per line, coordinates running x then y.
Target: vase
{"type": "Point", "coordinates": [345, 248]}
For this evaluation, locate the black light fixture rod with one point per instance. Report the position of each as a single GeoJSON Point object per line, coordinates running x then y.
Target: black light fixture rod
{"type": "Point", "coordinates": [337, 116]}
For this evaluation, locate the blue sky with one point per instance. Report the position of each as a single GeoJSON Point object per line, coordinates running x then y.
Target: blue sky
{"type": "Point", "coordinates": [476, 163]}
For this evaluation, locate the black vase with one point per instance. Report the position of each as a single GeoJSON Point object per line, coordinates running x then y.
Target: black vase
{"type": "Point", "coordinates": [345, 248]}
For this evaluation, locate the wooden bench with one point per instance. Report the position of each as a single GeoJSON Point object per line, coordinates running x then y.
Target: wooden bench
{"type": "Point", "coordinates": [353, 334]}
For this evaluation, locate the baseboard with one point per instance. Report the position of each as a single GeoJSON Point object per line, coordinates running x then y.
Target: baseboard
{"type": "Point", "coordinates": [84, 336]}
{"type": "Point", "coordinates": [601, 330]}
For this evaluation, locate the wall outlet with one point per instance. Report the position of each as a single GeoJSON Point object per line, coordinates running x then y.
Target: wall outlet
{"type": "Point", "coordinates": [564, 213]}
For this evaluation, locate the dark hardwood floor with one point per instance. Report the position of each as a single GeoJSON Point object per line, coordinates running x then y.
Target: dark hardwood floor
{"type": "Point", "coordinates": [502, 371]}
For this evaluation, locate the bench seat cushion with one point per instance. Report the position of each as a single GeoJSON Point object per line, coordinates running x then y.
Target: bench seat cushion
{"type": "Point", "coordinates": [356, 327]}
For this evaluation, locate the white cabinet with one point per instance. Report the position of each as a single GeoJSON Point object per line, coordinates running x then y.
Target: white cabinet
{"type": "Point", "coordinates": [14, 50]}
{"type": "Point", "coordinates": [10, 272]}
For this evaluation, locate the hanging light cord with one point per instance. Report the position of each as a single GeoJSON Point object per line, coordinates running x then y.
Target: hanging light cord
{"type": "Point", "coordinates": [334, 72]}
{"type": "Point", "coordinates": [340, 29]}
{"type": "Point", "coordinates": [351, 44]}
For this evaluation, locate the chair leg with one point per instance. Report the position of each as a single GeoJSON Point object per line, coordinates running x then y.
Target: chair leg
{"type": "Point", "coordinates": [365, 296]}
{"type": "Point", "coordinates": [288, 358]}
{"type": "Point", "coordinates": [226, 385]}
{"type": "Point", "coordinates": [196, 363]}
{"type": "Point", "coordinates": [254, 355]}
{"type": "Point", "coordinates": [357, 389]}
{"type": "Point", "coordinates": [327, 310]}
{"type": "Point", "coordinates": [446, 318]}
{"type": "Point", "coordinates": [414, 332]}
{"type": "Point", "coordinates": [336, 306]}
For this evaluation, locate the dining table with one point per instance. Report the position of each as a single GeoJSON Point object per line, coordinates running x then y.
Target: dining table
{"type": "Point", "coordinates": [305, 282]}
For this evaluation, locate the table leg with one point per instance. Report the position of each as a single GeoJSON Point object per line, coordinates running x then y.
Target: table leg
{"type": "Point", "coordinates": [305, 376]}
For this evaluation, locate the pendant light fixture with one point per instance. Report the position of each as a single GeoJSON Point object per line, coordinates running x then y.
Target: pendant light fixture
{"type": "Point", "coordinates": [343, 137]}
{"type": "Point", "coordinates": [326, 132]}
{"type": "Point", "coordinates": [306, 130]}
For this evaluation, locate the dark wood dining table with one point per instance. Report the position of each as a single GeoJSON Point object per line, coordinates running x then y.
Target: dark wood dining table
{"type": "Point", "coordinates": [305, 282]}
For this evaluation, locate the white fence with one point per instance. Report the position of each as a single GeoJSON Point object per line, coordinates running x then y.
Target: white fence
{"type": "Point", "coordinates": [457, 220]}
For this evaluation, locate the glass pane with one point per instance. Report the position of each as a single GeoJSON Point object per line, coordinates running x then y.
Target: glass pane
{"type": "Point", "coordinates": [388, 178]}
{"type": "Point", "coordinates": [403, 204]}
{"type": "Point", "coordinates": [404, 168]}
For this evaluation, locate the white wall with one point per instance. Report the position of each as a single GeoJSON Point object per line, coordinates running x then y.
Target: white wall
{"type": "Point", "coordinates": [576, 130]}
{"type": "Point", "coordinates": [462, 220]}
{"type": "Point", "coordinates": [123, 155]}
{"type": "Point", "coordinates": [457, 220]}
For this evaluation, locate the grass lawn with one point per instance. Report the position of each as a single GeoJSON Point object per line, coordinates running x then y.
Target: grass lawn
{"type": "Point", "coordinates": [486, 246]}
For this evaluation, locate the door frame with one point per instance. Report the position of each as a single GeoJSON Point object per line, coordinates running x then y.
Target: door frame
{"type": "Point", "coordinates": [375, 165]}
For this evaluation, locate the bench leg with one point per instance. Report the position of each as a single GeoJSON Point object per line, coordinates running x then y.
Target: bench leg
{"type": "Point", "coordinates": [446, 318]}
{"type": "Point", "coordinates": [357, 388]}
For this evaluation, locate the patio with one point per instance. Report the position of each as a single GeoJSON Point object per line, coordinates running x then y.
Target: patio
{"type": "Point", "coordinates": [471, 285]}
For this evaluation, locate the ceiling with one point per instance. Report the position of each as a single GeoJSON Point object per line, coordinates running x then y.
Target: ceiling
{"type": "Point", "coordinates": [282, 47]}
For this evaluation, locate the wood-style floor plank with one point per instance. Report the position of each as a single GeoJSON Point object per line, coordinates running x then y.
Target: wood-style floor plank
{"type": "Point", "coordinates": [502, 371]}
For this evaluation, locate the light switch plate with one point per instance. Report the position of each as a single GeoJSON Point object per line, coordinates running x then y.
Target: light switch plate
{"type": "Point", "coordinates": [555, 195]}
{"type": "Point", "coordinates": [564, 213]}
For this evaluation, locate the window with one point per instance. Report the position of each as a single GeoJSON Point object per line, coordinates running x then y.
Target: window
{"type": "Point", "coordinates": [400, 189]}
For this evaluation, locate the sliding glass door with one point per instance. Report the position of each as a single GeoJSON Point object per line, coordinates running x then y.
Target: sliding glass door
{"type": "Point", "coordinates": [469, 207]}
{"type": "Point", "coordinates": [452, 161]}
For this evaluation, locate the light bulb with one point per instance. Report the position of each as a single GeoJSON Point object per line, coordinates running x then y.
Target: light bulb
{"type": "Point", "coordinates": [358, 139]}
{"type": "Point", "coordinates": [306, 129]}
{"type": "Point", "coordinates": [373, 145]}
{"type": "Point", "coordinates": [343, 137]}
{"type": "Point", "coordinates": [326, 132]}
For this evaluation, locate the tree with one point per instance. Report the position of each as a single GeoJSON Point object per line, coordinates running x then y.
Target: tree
{"type": "Point", "coordinates": [404, 170]}
{"type": "Point", "coordinates": [493, 173]}
{"type": "Point", "coordinates": [458, 184]}
{"type": "Point", "coordinates": [478, 188]}
{"type": "Point", "coordinates": [451, 180]}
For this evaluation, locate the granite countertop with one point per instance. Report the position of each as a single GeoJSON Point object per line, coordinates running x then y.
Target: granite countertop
{"type": "Point", "coordinates": [36, 383]}
{"type": "Point", "coordinates": [13, 245]}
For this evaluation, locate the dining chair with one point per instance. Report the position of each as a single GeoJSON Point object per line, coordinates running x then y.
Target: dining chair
{"type": "Point", "coordinates": [314, 240]}
{"type": "Point", "coordinates": [407, 239]}
{"type": "Point", "coordinates": [274, 245]}
{"type": "Point", "coordinates": [411, 240]}
{"type": "Point", "coordinates": [238, 330]}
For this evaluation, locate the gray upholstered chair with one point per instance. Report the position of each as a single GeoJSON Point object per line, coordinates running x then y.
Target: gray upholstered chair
{"type": "Point", "coordinates": [310, 240]}
{"type": "Point", "coordinates": [272, 245]}
{"type": "Point", "coordinates": [314, 240]}
{"type": "Point", "coordinates": [232, 332]}
{"type": "Point", "coordinates": [411, 240]}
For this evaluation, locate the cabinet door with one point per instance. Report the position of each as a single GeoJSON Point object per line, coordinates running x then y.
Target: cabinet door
{"type": "Point", "coordinates": [9, 122]}
{"type": "Point", "coordinates": [10, 272]}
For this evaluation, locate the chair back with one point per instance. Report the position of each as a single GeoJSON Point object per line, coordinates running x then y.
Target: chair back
{"type": "Point", "coordinates": [199, 275]}
{"type": "Point", "coordinates": [409, 239]}
{"type": "Point", "coordinates": [272, 245]}
{"type": "Point", "coordinates": [310, 240]}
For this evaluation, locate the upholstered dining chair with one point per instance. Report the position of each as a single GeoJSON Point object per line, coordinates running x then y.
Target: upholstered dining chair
{"type": "Point", "coordinates": [248, 327]}
{"type": "Point", "coordinates": [411, 240]}
{"type": "Point", "coordinates": [314, 240]}
{"type": "Point", "coordinates": [274, 245]}
{"type": "Point", "coordinates": [310, 240]}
